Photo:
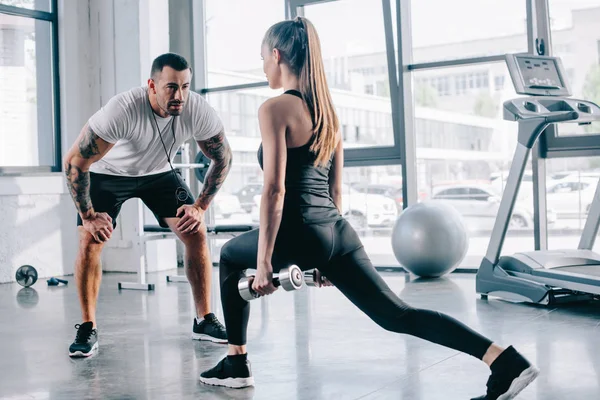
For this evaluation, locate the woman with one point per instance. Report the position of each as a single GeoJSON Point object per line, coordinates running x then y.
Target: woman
{"type": "Point", "coordinates": [302, 158]}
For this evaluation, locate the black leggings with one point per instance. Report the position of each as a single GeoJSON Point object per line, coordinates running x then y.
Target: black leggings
{"type": "Point", "coordinates": [335, 249]}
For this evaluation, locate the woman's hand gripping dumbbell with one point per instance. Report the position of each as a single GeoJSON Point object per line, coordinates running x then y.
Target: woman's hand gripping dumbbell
{"type": "Point", "coordinates": [288, 278]}
{"type": "Point", "coordinates": [313, 277]}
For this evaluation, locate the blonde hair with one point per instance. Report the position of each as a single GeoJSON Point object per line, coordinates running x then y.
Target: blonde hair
{"type": "Point", "coordinates": [299, 45]}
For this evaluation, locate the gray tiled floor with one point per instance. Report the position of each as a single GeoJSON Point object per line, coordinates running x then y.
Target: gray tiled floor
{"type": "Point", "coordinates": [309, 345]}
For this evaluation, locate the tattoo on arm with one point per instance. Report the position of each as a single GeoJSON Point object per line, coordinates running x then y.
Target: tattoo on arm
{"type": "Point", "coordinates": [88, 146]}
{"type": "Point", "coordinates": [78, 182]}
{"type": "Point", "coordinates": [218, 150]}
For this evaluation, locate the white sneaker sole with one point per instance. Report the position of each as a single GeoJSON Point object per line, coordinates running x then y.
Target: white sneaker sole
{"type": "Point", "coordinates": [93, 350]}
{"type": "Point", "coordinates": [234, 383]}
{"type": "Point", "coordinates": [520, 383]}
{"type": "Point", "coordinates": [202, 336]}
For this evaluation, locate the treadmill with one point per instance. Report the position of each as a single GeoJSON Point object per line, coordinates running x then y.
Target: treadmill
{"type": "Point", "coordinates": [541, 276]}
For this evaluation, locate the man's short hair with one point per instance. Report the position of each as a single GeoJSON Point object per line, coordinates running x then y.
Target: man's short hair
{"type": "Point", "coordinates": [175, 61]}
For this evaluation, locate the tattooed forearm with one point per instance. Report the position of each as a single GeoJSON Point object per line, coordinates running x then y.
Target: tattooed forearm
{"type": "Point", "coordinates": [88, 146]}
{"type": "Point", "coordinates": [78, 182]}
{"type": "Point", "coordinates": [218, 150]}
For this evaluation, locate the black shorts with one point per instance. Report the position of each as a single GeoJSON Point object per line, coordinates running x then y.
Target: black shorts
{"type": "Point", "coordinates": [162, 193]}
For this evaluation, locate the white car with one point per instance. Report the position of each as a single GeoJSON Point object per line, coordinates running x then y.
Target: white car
{"type": "Point", "coordinates": [571, 196]}
{"type": "Point", "coordinates": [479, 204]}
{"type": "Point", "coordinates": [362, 210]}
{"type": "Point", "coordinates": [228, 210]}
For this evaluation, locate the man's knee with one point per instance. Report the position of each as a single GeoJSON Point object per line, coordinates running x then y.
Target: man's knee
{"type": "Point", "coordinates": [87, 243]}
{"type": "Point", "coordinates": [193, 240]}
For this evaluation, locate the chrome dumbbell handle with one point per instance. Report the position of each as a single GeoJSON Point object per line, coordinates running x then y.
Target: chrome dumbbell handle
{"type": "Point", "coordinates": [310, 277]}
{"type": "Point", "coordinates": [288, 278]}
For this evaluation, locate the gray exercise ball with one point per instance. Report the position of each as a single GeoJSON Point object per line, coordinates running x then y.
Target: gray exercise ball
{"type": "Point", "coordinates": [430, 239]}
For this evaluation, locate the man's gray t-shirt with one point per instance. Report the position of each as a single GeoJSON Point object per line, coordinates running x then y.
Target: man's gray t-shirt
{"type": "Point", "coordinates": [128, 121]}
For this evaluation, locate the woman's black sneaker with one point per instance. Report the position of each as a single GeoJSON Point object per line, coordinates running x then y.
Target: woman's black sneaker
{"type": "Point", "coordinates": [232, 371]}
{"type": "Point", "coordinates": [511, 373]}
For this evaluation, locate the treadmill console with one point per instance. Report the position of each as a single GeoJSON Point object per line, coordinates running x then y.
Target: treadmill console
{"type": "Point", "coordinates": [538, 75]}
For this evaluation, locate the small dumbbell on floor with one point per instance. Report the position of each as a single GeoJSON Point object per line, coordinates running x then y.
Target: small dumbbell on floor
{"type": "Point", "coordinates": [288, 278]}
{"type": "Point", "coordinates": [310, 277]}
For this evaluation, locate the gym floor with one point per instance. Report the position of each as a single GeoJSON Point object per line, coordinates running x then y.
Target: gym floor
{"type": "Point", "coordinates": [313, 344]}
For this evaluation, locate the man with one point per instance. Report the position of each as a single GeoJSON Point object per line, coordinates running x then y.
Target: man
{"type": "Point", "coordinates": [125, 151]}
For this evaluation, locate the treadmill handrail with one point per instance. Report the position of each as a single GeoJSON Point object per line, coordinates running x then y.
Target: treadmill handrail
{"type": "Point", "coordinates": [561, 117]}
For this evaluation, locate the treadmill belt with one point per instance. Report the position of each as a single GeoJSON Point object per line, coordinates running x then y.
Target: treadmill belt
{"type": "Point", "coordinates": [593, 270]}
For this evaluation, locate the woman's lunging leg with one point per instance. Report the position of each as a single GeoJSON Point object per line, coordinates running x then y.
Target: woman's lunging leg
{"type": "Point", "coordinates": [237, 255]}
{"type": "Point", "coordinates": [354, 275]}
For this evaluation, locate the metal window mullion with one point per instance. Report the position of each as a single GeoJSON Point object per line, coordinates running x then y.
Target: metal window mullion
{"type": "Point", "coordinates": [405, 109]}
{"type": "Point", "coordinates": [393, 153]}
{"type": "Point", "coordinates": [57, 167]}
{"type": "Point", "coordinates": [198, 42]}
{"type": "Point", "coordinates": [230, 88]}
{"type": "Point", "coordinates": [539, 24]}
{"type": "Point", "coordinates": [457, 62]}
{"type": "Point", "coordinates": [531, 25]}
{"type": "Point", "coordinates": [542, 24]}
{"type": "Point", "coordinates": [25, 12]}
{"type": "Point", "coordinates": [198, 46]}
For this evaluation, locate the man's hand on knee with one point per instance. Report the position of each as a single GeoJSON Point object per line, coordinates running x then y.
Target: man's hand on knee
{"type": "Point", "coordinates": [191, 219]}
{"type": "Point", "coordinates": [99, 226]}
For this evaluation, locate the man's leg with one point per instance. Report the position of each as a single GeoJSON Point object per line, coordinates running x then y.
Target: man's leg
{"type": "Point", "coordinates": [88, 276]}
{"type": "Point", "coordinates": [107, 193]}
{"type": "Point", "coordinates": [198, 265]}
{"type": "Point", "coordinates": [159, 194]}
{"type": "Point", "coordinates": [198, 269]}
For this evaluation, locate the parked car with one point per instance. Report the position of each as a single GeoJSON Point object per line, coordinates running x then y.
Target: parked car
{"type": "Point", "coordinates": [247, 193]}
{"type": "Point", "coordinates": [479, 205]}
{"type": "Point", "coordinates": [368, 210]}
{"type": "Point", "coordinates": [576, 175]}
{"type": "Point", "coordinates": [362, 210]}
{"type": "Point", "coordinates": [570, 196]}
{"type": "Point", "coordinates": [225, 205]}
{"type": "Point", "coordinates": [394, 193]}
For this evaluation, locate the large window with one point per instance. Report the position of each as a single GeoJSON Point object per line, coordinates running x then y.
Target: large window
{"type": "Point", "coordinates": [453, 112]}
{"type": "Point", "coordinates": [357, 70]}
{"type": "Point", "coordinates": [463, 145]}
{"type": "Point", "coordinates": [29, 137]}
{"type": "Point", "coordinates": [443, 30]}
{"type": "Point", "coordinates": [234, 38]}
{"type": "Point", "coordinates": [576, 39]}
{"type": "Point", "coordinates": [40, 5]}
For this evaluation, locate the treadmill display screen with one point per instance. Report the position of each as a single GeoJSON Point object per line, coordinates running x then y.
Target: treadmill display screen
{"type": "Point", "coordinates": [539, 73]}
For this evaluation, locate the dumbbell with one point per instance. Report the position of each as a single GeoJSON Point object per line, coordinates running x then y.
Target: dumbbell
{"type": "Point", "coordinates": [288, 278]}
{"type": "Point", "coordinates": [55, 281]}
{"type": "Point", "coordinates": [310, 277]}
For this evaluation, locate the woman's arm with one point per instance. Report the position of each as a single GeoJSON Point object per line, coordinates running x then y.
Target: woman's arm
{"type": "Point", "coordinates": [272, 130]}
{"type": "Point", "coordinates": [335, 174]}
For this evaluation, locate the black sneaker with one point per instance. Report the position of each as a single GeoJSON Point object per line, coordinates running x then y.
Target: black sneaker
{"type": "Point", "coordinates": [232, 371]}
{"type": "Point", "coordinates": [209, 329]}
{"type": "Point", "coordinates": [511, 373]}
{"type": "Point", "coordinates": [86, 341]}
